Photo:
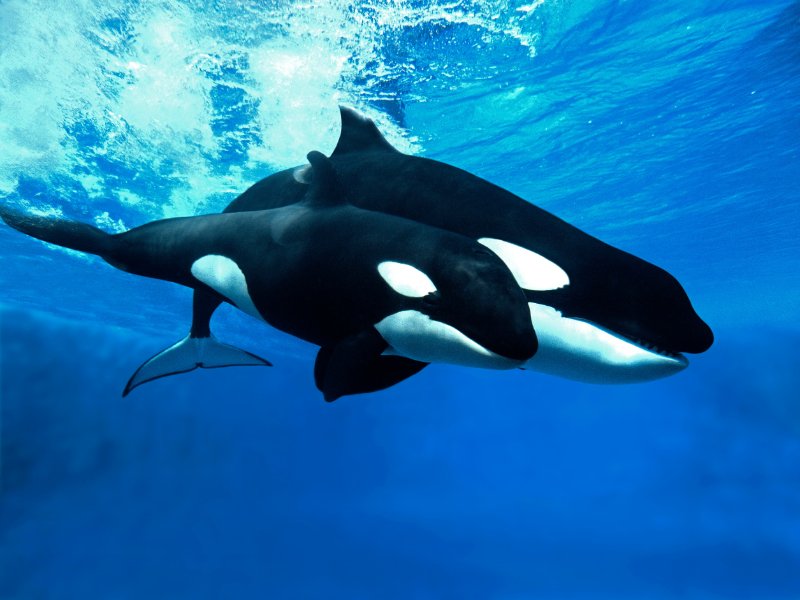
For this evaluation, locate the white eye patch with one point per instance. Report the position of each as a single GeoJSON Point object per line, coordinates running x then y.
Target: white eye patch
{"type": "Point", "coordinates": [532, 271]}
{"type": "Point", "coordinates": [405, 279]}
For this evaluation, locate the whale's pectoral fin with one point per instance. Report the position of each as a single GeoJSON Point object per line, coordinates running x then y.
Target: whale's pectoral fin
{"type": "Point", "coordinates": [355, 365]}
{"type": "Point", "coordinates": [189, 354]}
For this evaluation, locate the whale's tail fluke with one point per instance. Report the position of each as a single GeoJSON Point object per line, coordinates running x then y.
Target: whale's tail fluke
{"type": "Point", "coordinates": [199, 349]}
{"type": "Point", "coordinates": [62, 232]}
{"type": "Point", "coordinates": [189, 354]}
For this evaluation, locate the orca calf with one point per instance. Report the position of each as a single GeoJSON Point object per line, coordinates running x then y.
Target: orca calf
{"type": "Point", "coordinates": [381, 295]}
{"type": "Point", "coordinates": [601, 315]}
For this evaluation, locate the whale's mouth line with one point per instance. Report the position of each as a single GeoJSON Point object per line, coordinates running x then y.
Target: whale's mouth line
{"type": "Point", "coordinates": [641, 343]}
{"type": "Point", "coordinates": [650, 347]}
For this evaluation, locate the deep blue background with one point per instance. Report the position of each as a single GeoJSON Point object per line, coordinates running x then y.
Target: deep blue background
{"type": "Point", "coordinates": [668, 131]}
{"type": "Point", "coordinates": [459, 484]}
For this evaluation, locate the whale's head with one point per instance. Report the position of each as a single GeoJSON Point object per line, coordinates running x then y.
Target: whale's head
{"type": "Point", "coordinates": [602, 315]}
{"type": "Point", "coordinates": [460, 305]}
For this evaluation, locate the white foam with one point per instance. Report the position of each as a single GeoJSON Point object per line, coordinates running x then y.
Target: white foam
{"type": "Point", "coordinates": [104, 221]}
{"type": "Point", "coordinates": [95, 86]}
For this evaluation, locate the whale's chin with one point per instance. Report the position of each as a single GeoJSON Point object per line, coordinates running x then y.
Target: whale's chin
{"type": "Point", "coordinates": [582, 351]}
{"type": "Point", "coordinates": [415, 335]}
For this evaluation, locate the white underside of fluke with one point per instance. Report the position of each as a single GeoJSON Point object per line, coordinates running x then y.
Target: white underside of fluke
{"type": "Point", "coordinates": [414, 335]}
{"type": "Point", "coordinates": [582, 351]}
{"type": "Point", "coordinates": [192, 353]}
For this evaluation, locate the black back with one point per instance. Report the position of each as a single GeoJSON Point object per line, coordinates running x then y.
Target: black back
{"type": "Point", "coordinates": [608, 286]}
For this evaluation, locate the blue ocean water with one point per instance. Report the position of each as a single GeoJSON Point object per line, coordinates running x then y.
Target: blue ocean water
{"type": "Point", "coordinates": [667, 129]}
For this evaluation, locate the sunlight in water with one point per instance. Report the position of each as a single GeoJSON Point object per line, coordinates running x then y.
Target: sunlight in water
{"type": "Point", "coordinates": [202, 102]}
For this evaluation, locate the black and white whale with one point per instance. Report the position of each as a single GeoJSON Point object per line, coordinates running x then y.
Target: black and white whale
{"type": "Point", "coordinates": [601, 314]}
{"type": "Point", "coordinates": [381, 295]}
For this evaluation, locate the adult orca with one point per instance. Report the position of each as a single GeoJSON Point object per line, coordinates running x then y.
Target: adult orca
{"type": "Point", "coordinates": [383, 296]}
{"type": "Point", "coordinates": [601, 314]}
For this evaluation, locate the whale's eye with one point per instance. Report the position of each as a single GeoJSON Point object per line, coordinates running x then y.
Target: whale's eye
{"type": "Point", "coordinates": [406, 280]}
{"type": "Point", "coordinates": [432, 299]}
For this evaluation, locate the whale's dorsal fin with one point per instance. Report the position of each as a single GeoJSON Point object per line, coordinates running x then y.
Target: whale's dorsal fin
{"type": "Point", "coordinates": [325, 189]}
{"type": "Point", "coordinates": [359, 134]}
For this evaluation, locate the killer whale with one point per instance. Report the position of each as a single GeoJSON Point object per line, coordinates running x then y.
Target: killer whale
{"type": "Point", "coordinates": [601, 314]}
{"type": "Point", "coordinates": [381, 295]}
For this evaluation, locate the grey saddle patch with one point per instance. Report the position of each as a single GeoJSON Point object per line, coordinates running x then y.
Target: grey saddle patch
{"type": "Point", "coordinates": [303, 174]}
